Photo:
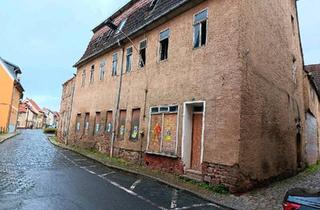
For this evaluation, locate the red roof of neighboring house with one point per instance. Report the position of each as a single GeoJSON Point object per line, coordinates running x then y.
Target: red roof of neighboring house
{"type": "Point", "coordinates": [34, 105]}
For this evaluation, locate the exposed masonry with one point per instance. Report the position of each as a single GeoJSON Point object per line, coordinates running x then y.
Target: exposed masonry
{"type": "Point", "coordinates": [222, 96]}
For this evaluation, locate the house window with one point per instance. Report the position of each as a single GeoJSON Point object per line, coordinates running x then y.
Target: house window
{"type": "Point", "coordinates": [102, 70]}
{"type": "Point", "coordinates": [92, 74]}
{"type": "Point", "coordinates": [129, 59]}
{"type": "Point", "coordinates": [142, 53]}
{"type": "Point", "coordinates": [86, 123]}
{"type": "Point", "coordinates": [114, 64]}
{"type": "Point", "coordinates": [109, 123]}
{"type": "Point", "coordinates": [292, 25]}
{"type": "Point", "coordinates": [122, 124]}
{"type": "Point", "coordinates": [135, 123]}
{"type": "Point", "coordinates": [83, 82]}
{"type": "Point", "coordinates": [164, 44]}
{"type": "Point", "coordinates": [163, 130]}
{"type": "Point", "coordinates": [97, 123]}
{"type": "Point", "coordinates": [294, 70]}
{"type": "Point", "coordinates": [78, 122]}
{"type": "Point", "coordinates": [200, 29]}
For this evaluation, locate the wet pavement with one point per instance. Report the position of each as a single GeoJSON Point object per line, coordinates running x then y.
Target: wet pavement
{"type": "Point", "coordinates": [36, 175]}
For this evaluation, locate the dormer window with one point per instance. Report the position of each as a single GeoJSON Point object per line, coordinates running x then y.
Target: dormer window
{"type": "Point", "coordinates": [121, 25]}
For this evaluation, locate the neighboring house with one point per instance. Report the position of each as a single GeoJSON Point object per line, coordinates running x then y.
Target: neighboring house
{"type": "Point", "coordinates": [31, 115]}
{"type": "Point", "coordinates": [65, 109]}
{"type": "Point", "coordinates": [214, 90]}
{"type": "Point", "coordinates": [11, 92]}
{"type": "Point", "coordinates": [27, 118]}
{"type": "Point", "coordinates": [51, 118]}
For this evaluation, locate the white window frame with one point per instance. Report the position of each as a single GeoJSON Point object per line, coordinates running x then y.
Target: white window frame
{"type": "Point", "coordinates": [114, 71]}
{"type": "Point", "coordinates": [130, 60]}
{"type": "Point", "coordinates": [139, 60]}
{"type": "Point", "coordinates": [200, 34]}
{"type": "Point", "coordinates": [102, 67]}
{"type": "Point", "coordinates": [177, 129]}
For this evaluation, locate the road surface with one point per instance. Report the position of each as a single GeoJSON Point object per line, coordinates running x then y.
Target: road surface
{"type": "Point", "coordinates": [36, 175]}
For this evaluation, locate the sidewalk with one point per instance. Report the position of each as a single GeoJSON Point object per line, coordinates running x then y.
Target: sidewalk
{"type": "Point", "coordinates": [269, 197]}
{"type": "Point", "coordinates": [4, 137]}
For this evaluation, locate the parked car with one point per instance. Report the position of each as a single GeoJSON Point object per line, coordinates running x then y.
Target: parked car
{"type": "Point", "coordinates": [301, 199]}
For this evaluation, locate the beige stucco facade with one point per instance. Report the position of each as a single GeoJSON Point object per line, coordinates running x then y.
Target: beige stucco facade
{"type": "Point", "coordinates": [248, 77]}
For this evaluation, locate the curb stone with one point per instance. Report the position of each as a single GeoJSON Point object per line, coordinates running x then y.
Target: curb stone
{"type": "Point", "coordinates": [145, 175]}
{"type": "Point", "coordinates": [9, 137]}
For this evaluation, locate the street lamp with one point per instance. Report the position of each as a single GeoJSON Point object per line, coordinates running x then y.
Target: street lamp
{"type": "Point", "coordinates": [109, 22]}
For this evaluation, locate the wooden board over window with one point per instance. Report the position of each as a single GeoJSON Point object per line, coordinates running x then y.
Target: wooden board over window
{"type": "Point", "coordinates": [155, 133]}
{"type": "Point", "coordinates": [109, 128]}
{"type": "Point", "coordinates": [169, 133]}
{"type": "Point", "coordinates": [135, 125]}
{"type": "Point", "coordinates": [122, 124]}
{"type": "Point", "coordinates": [163, 130]}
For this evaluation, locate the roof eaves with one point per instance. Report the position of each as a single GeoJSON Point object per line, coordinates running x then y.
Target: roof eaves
{"type": "Point", "coordinates": [156, 18]}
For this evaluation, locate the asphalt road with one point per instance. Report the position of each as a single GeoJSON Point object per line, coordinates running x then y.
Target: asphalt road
{"type": "Point", "coordinates": [36, 175]}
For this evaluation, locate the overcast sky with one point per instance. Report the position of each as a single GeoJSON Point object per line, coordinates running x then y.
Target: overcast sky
{"type": "Point", "coordinates": [45, 38]}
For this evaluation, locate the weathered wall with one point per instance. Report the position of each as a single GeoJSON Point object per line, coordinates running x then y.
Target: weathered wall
{"type": "Point", "coordinates": [271, 99]}
{"type": "Point", "coordinates": [189, 74]}
{"type": "Point", "coordinates": [312, 130]}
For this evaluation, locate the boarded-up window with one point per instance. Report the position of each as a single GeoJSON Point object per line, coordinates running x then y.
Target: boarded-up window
{"type": "Point", "coordinates": [97, 123]}
{"type": "Point", "coordinates": [135, 123]}
{"type": "Point", "coordinates": [86, 123]}
{"type": "Point", "coordinates": [163, 130]}
{"type": "Point", "coordinates": [78, 122]}
{"type": "Point", "coordinates": [122, 124]}
{"type": "Point", "coordinates": [109, 123]}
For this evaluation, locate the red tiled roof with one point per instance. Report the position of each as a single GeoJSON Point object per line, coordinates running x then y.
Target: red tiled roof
{"type": "Point", "coordinates": [35, 105]}
{"type": "Point", "coordinates": [139, 14]}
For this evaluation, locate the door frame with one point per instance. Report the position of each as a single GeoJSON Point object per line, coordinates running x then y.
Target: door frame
{"type": "Point", "coordinates": [186, 142]}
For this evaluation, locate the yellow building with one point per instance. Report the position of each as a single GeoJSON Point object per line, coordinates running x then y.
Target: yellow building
{"type": "Point", "coordinates": [11, 92]}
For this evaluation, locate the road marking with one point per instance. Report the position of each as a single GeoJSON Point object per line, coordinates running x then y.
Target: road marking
{"type": "Point", "coordinates": [174, 199]}
{"type": "Point", "coordinates": [197, 205]}
{"type": "Point", "coordinates": [132, 193]}
{"type": "Point", "coordinates": [106, 174]}
{"type": "Point", "coordinates": [135, 184]}
{"type": "Point", "coordinates": [85, 168]}
{"type": "Point", "coordinates": [80, 159]}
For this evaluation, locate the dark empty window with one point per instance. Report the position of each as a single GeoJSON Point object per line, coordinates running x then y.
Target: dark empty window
{"type": "Point", "coordinates": [129, 59]}
{"type": "Point", "coordinates": [142, 53]}
{"type": "Point", "coordinates": [200, 29]}
{"type": "Point", "coordinates": [164, 44]}
{"type": "Point", "coordinates": [114, 64]}
{"type": "Point", "coordinates": [293, 25]}
{"type": "Point", "coordinates": [92, 74]}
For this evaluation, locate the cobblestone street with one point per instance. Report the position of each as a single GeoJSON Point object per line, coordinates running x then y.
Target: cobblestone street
{"type": "Point", "coordinates": [271, 197]}
{"type": "Point", "coordinates": [36, 175]}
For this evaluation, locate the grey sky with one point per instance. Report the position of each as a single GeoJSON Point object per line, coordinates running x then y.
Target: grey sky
{"type": "Point", "coordinates": [45, 38]}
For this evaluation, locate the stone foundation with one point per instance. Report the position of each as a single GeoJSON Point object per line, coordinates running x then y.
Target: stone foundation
{"type": "Point", "coordinates": [163, 163]}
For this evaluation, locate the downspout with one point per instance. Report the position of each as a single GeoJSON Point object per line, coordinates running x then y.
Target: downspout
{"type": "Point", "coordinates": [116, 115]}
{"type": "Point", "coordinates": [10, 108]}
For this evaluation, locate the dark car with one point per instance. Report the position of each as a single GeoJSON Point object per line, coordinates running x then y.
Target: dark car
{"type": "Point", "coordinates": [301, 199]}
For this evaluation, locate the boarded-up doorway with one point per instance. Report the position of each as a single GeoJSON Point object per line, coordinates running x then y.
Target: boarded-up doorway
{"type": "Point", "coordinates": [192, 140]}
